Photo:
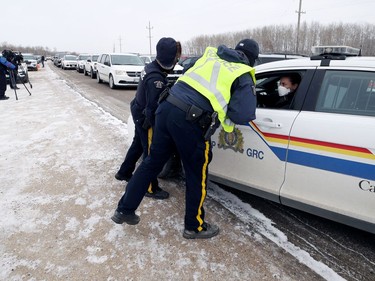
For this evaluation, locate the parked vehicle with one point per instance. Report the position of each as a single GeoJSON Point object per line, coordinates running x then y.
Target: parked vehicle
{"type": "Point", "coordinates": [147, 58]}
{"type": "Point", "coordinates": [119, 69]}
{"type": "Point", "coordinates": [90, 66]}
{"type": "Point", "coordinates": [265, 58]}
{"type": "Point", "coordinates": [69, 62]}
{"type": "Point", "coordinates": [184, 62]}
{"type": "Point", "coordinates": [317, 155]}
{"type": "Point", "coordinates": [81, 60]}
{"type": "Point", "coordinates": [173, 76]}
{"type": "Point", "coordinates": [57, 59]}
{"type": "Point", "coordinates": [31, 61]}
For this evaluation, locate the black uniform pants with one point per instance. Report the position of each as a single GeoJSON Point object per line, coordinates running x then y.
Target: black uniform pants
{"type": "Point", "coordinates": [135, 151]}
{"type": "Point", "coordinates": [3, 83]}
{"type": "Point", "coordinates": [171, 129]}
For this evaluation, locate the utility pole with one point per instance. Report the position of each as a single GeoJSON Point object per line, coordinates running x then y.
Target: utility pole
{"type": "Point", "coordinates": [299, 12]}
{"type": "Point", "coordinates": [120, 43]}
{"type": "Point", "coordinates": [149, 35]}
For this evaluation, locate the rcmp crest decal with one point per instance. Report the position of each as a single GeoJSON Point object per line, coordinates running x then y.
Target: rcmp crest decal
{"type": "Point", "coordinates": [233, 140]}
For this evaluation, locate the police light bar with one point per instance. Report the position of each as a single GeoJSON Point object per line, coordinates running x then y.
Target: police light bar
{"type": "Point", "coordinates": [337, 50]}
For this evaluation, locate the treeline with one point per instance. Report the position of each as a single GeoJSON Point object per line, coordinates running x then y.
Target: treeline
{"type": "Point", "coordinates": [271, 39]}
{"type": "Point", "coordinates": [283, 38]}
{"type": "Point", "coordinates": [45, 51]}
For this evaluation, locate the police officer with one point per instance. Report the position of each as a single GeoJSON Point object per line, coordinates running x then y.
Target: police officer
{"type": "Point", "coordinates": [4, 65]}
{"type": "Point", "coordinates": [217, 89]}
{"type": "Point", "coordinates": [153, 81]}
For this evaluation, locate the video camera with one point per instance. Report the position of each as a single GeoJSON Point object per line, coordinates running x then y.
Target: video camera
{"type": "Point", "coordinates": [15, 58]}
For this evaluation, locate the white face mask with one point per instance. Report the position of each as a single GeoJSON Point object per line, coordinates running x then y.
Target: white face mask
{"type": "Point", "coordinates": [283, 91]}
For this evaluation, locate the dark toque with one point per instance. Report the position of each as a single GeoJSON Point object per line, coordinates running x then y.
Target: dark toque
{"type": "Point", "coordinates": [250, 48]}
{"type": "Point", "coordinates": [168, 51]}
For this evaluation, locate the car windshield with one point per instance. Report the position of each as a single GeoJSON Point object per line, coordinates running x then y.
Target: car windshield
{"type": "Point", "coordinates": [95, 58]}
{"type": "Point", "coordinates": [148, 59]}
{"type": "Point", "coordinates": [28, 57]}
{"type": "Point", "coordinates": [126, 60]}
{"type": "Point", "coordinates": [70, 57]}
{"type": "Point", "coordinates": [83, 57]}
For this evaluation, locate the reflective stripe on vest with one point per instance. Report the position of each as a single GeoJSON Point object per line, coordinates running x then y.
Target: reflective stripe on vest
{"type": "Point", "coordinates": [213, 78]}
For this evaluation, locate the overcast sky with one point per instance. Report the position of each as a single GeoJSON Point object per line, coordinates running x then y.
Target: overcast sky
{"type": "Point", "coordinates": [95, 26]}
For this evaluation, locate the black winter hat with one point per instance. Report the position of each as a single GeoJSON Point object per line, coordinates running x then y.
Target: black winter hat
{"type": "Point", "coordinates": [168, 51]}
{"type": "Point", "coordinates": [250, 48]}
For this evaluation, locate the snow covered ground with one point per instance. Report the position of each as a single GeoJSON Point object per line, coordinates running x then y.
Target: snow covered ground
{"type": "Point", "coordinates": [58, 156]}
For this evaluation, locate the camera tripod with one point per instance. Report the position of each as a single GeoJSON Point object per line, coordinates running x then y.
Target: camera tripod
{"type": "Point", "coordinates": [13, 81]}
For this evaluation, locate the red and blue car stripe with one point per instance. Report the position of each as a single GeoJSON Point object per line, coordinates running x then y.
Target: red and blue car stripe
{"type": "Point", "coordinates": [338, 158]}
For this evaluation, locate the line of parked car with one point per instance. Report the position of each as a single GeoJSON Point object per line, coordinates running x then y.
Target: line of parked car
{"type": "Point", "coordinates": [116, 69]}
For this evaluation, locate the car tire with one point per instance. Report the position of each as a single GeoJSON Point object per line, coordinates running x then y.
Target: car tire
{"type": "Point", "coordinates": [25, 79]}
{"type": "Point", "coordinates": [92, 73]}
{"type": "Point", "coordinates": [111, 82]}
{"type": "Point", "coordinates": [98, 78]}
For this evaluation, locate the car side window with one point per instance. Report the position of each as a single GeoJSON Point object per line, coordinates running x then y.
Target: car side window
{"type": "Point", "coordinates": [106, 60]}
{"type": "Point", "coordinates": [278, 90]}
{"type": "Point", "coordinates": [347, 92]}
{"type": "Point", "coordinates": [102, 59]}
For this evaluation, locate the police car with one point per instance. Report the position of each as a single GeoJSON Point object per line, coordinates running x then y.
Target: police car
{"type": "Point", "coordinates": [316, 155]}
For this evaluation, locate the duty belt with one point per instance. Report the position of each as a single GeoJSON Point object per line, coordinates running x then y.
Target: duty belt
{"type": "Point", "coordinates": [192, 112]}
{"type": "Point", "coordinates": [179, 103]}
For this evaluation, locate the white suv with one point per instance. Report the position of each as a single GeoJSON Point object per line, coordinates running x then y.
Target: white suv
{"type": "Point", "coordinates": [90, 66]}
{"type": "Point", "coordinates": [81, 60]}
{"type": "Point", "coordinates": [316, 155]}
{"type": "Point", "coordinates": [119, 69]}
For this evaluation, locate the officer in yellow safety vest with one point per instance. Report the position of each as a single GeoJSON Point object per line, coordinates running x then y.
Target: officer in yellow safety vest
{"type": "Point", "coordinates": [219, 89]}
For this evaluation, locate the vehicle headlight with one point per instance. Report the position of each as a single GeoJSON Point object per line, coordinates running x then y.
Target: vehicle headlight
{"type": "Point", "coordinates": [120, 72]}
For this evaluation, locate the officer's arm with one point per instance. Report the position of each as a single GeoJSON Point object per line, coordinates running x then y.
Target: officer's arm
{"type": "Point", "coordinates": [242, 105]}
{"type": "Point", "coordinates": [154, 87]}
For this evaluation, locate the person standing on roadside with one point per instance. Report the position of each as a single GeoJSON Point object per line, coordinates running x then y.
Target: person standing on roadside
{"type": "Point", "coordinates": [4, 66]}
{"type": "Point", "coordinates": [42, 59]}
{"type": "Point", "coordinates": [219, 89]}
{"type": "Point", "coordinates": [152, 83]}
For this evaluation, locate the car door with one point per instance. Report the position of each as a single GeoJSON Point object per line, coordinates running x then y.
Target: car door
{"type": "Point", "coordinates": [330, 167]}
{"type": "Point", "coordinates": [106, 68]}
{"type": "Point", "coordinates": [101, 67]}
{"type": "Point", "coordinates": [253, 157]}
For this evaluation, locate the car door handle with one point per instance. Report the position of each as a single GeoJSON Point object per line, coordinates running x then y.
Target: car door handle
{"type": "Point", "coordinates": [269, 124]}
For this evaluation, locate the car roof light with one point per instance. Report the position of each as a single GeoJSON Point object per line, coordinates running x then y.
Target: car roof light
{"type": "Point", "coordinates": [335, 50]}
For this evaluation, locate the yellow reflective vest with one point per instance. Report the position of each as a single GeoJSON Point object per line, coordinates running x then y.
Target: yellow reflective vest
{"type": "Point", "coordinates": [213, 78]}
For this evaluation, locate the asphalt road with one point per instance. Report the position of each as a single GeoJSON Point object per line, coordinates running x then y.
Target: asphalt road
{"type": "Point", "coordinates": [348, 251]}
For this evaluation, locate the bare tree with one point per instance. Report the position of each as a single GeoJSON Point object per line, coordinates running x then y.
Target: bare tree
{"type": "Point", "coordinates": [282, 38]}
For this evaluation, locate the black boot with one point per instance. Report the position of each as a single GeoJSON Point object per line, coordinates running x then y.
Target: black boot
{"type": "Point", "coordinates": [4, 97]}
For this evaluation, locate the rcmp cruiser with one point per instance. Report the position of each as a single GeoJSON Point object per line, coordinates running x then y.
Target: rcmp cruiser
{"type": "Point", "coordinates": [317, 155]}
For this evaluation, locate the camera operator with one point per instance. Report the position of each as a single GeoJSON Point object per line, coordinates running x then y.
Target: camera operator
{"type": "Point", "coordinates": [5, 64]}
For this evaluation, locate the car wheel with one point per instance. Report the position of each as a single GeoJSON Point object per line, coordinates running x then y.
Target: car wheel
{"type": "Point", "coordinates": [25, 79]}
{"type": "Point", "coordinates": [111, 82]}
{"type": "Point", "coordinates": [92, 73]}
{"type": "Point", "coordinates": [98, 78]}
